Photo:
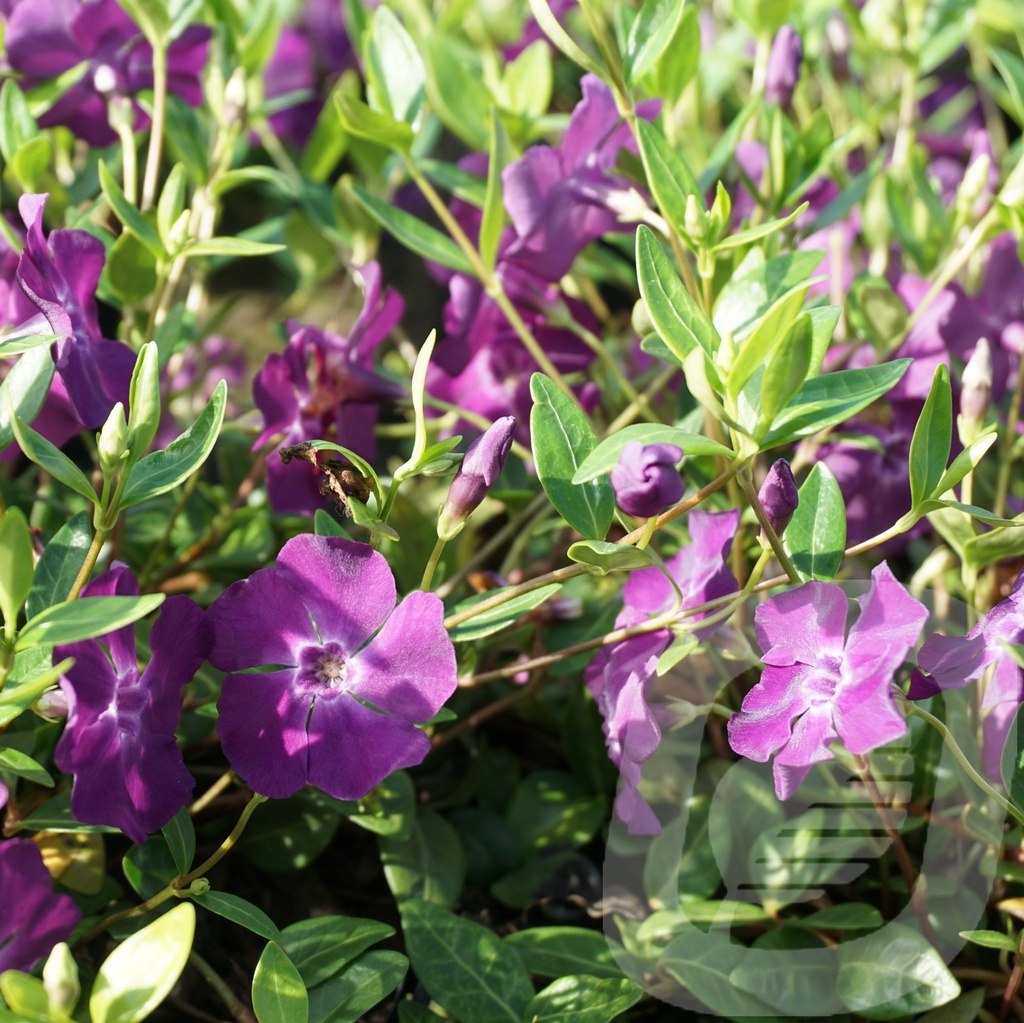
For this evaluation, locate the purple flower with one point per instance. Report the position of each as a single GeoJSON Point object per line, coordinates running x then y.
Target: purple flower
{"type": "Point", "coordinates": [953, 661]}
{"type": "Point", "coordinates": [324, 383]}
{"type": "Point", "coordinates": [618, 678]}
{"type": "Point", "coordinates": [818, 684]}
{"type": "Point", "coordinates": [778, 495]}
{"type": "Point", "coordinates": [352, 671]}
{"type": "Point", "coordinates": [59, 275]}
{"type": "Point", "coordinates": [119, 739]}
{"type": "Point", "coordinates": [646, 481]}
{"type": "Point", "coordinates": [45, 38]}
{"type": "Point", "coordinates": [783, 71]}
{"type": "Point", "coordinates": [700, 569]}
{"type": "Point", "coordinates": [292, 70]}
{"type": "Point", "coordinates": [34, 919]}
{"type": "Point", "coordinates": [480, 468]}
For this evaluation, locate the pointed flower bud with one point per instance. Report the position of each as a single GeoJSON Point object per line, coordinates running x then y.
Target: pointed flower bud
{"type": "Point", "coordinates": [113, 440]}
{"type": "Point", "coordinates": [646, 480]}
{"type": "Point", "coordinates": [60, 980]}
{"type": "Point", "coordinates": [784, 66]}
{"type": "Point", "coordinates": [481, 466]}
{"type": "Point", "coordinates": [778, 495]}
{"type": "Point", "coordinates": [977, 390]}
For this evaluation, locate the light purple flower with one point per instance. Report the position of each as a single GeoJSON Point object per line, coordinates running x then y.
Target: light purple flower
{"type": "Point", "coordinates": [646, 479]}
{"type": "Point", "coordinates": [59, 275]}
{"type": "Point", "coordinates": [45, 38]}
{"type": "Point", "coordinates": [324, 384]}
{"type": "Point", "coordinates": [352, 672]}
{"type": "Point", "coordinates": [618, 678]}
{"type": "Point", "coordinates": [818, 683]}
{"type": "Point", "coordinates": [700, 569]}
{"type": "Point", "coordinates": [787, 53]}
{"type": "Point", "coordinates": [33, 919]}
{"type": "Point", "coordinates": [119, 739]}
{"type": "Point", "coordinates": [953, 661]}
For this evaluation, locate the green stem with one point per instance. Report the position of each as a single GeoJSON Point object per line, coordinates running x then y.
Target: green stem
{"type": "Point", "coordinates": [91, 556]}
{"type": "Point", "coordinates": [129, 163]}
{"type": "Point", "coordinates": [435, 557]}
{"type": "Point", "coordinates": [238, 1009]}
{"type": "Point", "coordinates": [632, 410]}
{"type": "Point", "coordinates": [156, 132]}
{"type": "Point", "coordinates": [768, 531]}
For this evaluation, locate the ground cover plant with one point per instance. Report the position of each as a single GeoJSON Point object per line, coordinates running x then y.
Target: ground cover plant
{"type": "Point", "coordinates": [511, 512]}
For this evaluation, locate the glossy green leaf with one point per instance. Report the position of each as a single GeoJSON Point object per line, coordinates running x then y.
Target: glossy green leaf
{"type": "Point", "coordinates": [362, 122]}
{"type": "Point", "coordinates": [278, 994]}
{"type": "Point", "coordinates": [606, 455]}
{"type": "Point", "coordinates": [429, 864]}
{"type": "Point", "coordinates": [500, 617]}
{"type": "Point", "coordinates": [59, 565]}
{"type": "Point", "coordinates": [583, 999]}
{"type": "Point", "coordinates": [139, 974]}
{"type": "Point", "coordinates": [232, 179]}
{"type": "Point", "coordinates": [789, 367]}
{"type": "Point", "coordinates": [603, 557]}
{"type": "Point", "coordinates": [152, 16]}
{"type": "Point", "coordinates": [847, 916]}
{"type": "Point", "coordinates": [15, 762]}
{"type": "Point", "coordinates": [180, 835]}
{"type": "Point", "coordinates": [362, 516]}
{"type": "Point", "coordinates": [991, 939]}
{"type": "Point", "coordinates": [816, 535]}
{"type": "Point", "coordinates": [321, 946]}
{"type": "Point", "coordinates": [17, 564]}
{"type": "Point", "coordinates": [25, 996]}
{"type": "Point", "coordinates": [49, 457]}
{"type": "Point", "coordinates": [129, 215]}
{"type": "Point", "coordinates": [24, 389]}
{"type": "Point", "coordinates": [171, 204]}
{"type": "Point", "coordinates": [240, 912]}
{"type": "Point", "coordinates": [161, 471]}
{"type": "Point", "coordinates": [394, 68]}
{"type": "Point", "coordinates": [17, 125]}
{"type": "Point", "coordinates": [753, 234]}
{"type": "Point", "coordinates": [965, 462]}
{"type": "Point", "coordinates": [653, 30]}
{"type": "Point", "coordinates": [362, 985]}
{"type": "Point", "coordinates": [55, 815]}
{"type": "Point", "coordinates": [893, 973]}
{"type": "Point", "coordinates": [552, 28]}
{"type": "Point", "coordinates": [1011, 67]}
{"type": "Point", "coordinates": [933, 435]}
{"type": "Point", "coordinates": [12, 346]}
{"type": "Point", "coordinates": [464, 966]}
{"type": "Point", "coordinates": [561, 951]}
{"type": "Point", "coordinates": [22, 691]}
{"type": "Point", "coordinates": [389, 808]}
{"type": "Point", "coordinates": [413, 233]}
{"type": "Point", "coordinates": [671, 180]}
{"type": "Point", "coordinates": [829, 399]}
{"type": "Point", "coordinates": [458, 93]}
{"type": "Point", "coordinates": [229, 246]}
{"type": "Point", "coordinates": [85, 618]}
{"type": "Point", "coordinates": [562, 439]}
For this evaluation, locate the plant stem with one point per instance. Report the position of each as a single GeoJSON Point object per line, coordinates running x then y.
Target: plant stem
{"type": "Point", "coordinates": [129, 163]}
{"type": "Point", "coordinates": [212, 793]}
{"type": "Point", "coordinates": [238, 1009]}
{"type": "Point", "coordinates": [747, 484]}
{"type": "Point", "coordinates": [1006, 446]}
{"type": "Point", "coordinates": [435, 557]}
{"type": "Point", "coordinates": [156, 132]}
{"type": "Point", "coordinates": [91, 556]}
{"type": "Point", "coordinates": [632, 410]}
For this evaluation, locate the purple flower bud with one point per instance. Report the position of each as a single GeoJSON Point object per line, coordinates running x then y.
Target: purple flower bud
{"type": "Point", "coordinates": [783, 66]}
{"type": "Point", "coordinates": [977, 386]}
{"type": "Point", "coordinates": [778, 495]}
{"type": "Point", "coordinates": [481, 466]}
{"type": "Point", "coordinates": [646, 480]}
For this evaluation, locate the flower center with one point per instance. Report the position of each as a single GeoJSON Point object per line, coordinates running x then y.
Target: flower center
{"type": "Point", "coordinates": [323, 670]}
{"type": "Point", "coordinates": [330, 669]}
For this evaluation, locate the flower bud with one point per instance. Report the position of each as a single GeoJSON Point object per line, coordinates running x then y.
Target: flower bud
{"type": "Point", "coordinates": [646, 480]}
{"type": "Point", "coordinates": [481, 466]}
{"type": "Point", "coordinates": [60, 981]}
{"type": "Point", "coordinates": [778, 495]}
{"type": "Point", "coordinates": [783, 67]}
{"type": "Point", "coordinates": [837, 47]}
{"type": "Point", "coordinates": [112, 442]}
{"type": "Point", "coordinates": [52, 705]}
{"type": "Point", "coordinates": [977, 389]}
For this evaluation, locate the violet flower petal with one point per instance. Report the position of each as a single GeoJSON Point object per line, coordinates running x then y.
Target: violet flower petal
{"type": "Point", "coordinates": [805, 625]}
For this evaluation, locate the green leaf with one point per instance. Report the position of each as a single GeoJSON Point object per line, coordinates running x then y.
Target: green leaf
{"type": "Point", "coordinates": [430, 864]}
{"type": "Point", "coordinates": [561, 951]}
{"type": "Point", "coordinates": [22, 691]}
{"type": "Point", "coordinates": [172, 202]}
{"type": "Point", "coordinates": [152, 16]}
{"type": "Point", "coordinates": [829, 399]}
{"type": "Point", "coordinates": [653, 29]}
{"type": "Point", "coordinates": [458, 93]}
{"type": "Point", "coordinates": [606, 455]}
{"type": "Point", "coordinates": [389, 808]}
{"type": "Point", "coordinates": [582, 999]}
{"type": "Point", "coordinates": [816, 535]}
{"type": "Point", "coordinates": [892, 973]}
{"type": "Point", "coordinates": [1011, 68]}
{"type": "Point", "coordinates": [61, 561]}
{"type": "Point", "coordinates": [368, 981]}
{"type": "Point", "coordinates": [164, 470]}
{"type": "Point", "coordinates": [233, 179]}
{"type": "Point", "coordinates": [23, 390]}
{"type": "Point", "coordinates": [562, 438]}
{"type": "Point", "coordinates": [15, 762]}
{"type": "Point", "coordinates": [180, 836]}
{"type": "Point", "coordinates": [130, 270]}
{"type": "Point", "coordinates": [529, 81]}
{"type": "Point", "coordinates": [965, 462]}
{"type": "Point", "coordinates": [278, 994]}
{"type": "Point", "coordinates": [551, 27]}
{"type": "Point", "coordinates": [418, 390]}
{"type": "Point", "coordinates": [550, 810]}
{"type": "Point", "coordinates": [139, 974]}
{"type": "Point", "coordinates": [413, 233]}
{"type": "Point", "coordinates": [991, 939]}
{"type": "Point", "coordinates": [929, 448]}
{"type": "Point", "coordinates": [25, 996]}
{"type": "Point", "coordinates": [229, 246]}
{"type": "Point", "coordinates": [671, 180]}
{"type": "Point", "coordinates": [468, 187]}
{"type": "Point", "coordinates": [239, 911]}
{"type": "Point", "coordinates": [605, 557]}
{"type": "Point", "coordinates": [964, 1009]}
{"type": "Point", "coordinates": [500, 617]}
{"type": "Point", "coordinates": [324, 525]}
{"type": "Point", "coordinates": [465, 967]}
{"type": "Point", "coordinates": [55, 815]}
{"type": "Point", "coordinates": [848, 916]}
{"type": "Point", "coordinates": [321, 946]}
{"type": "Point", "coordinates": [394, 68]}
{"type": "Point", "coordinates": [1011, 764]}
{"type": "Point", "coordinates": [679, 321]}
{"type": "Point", "coordinates": [362, 516]}
{"type": "Point", "coordinates": [12, 346]}
{"type": "Point", "coordinates": [753, 234]}
{"type": "Point", "coordinates": [85, 618]}
{"type": "Point", "coordinates": [129, 216]}
{"type": "Point", "coordinates": [493, 222]}
{"type": "Point", "coordinates": [359, 120]}
{"type": "Point", "coordinates": [17, 563]}
{"type": "Point", "coordinates": [39, 450]}
{"type": "Point", "coordinates": [679, 62]}
{"type": "Point", "coordinates": [17, 125]}
{"type": "Point", "coordinates": [789, 367]}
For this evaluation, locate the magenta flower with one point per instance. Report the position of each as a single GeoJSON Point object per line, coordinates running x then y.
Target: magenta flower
{"type": "Point", "coordinates": [646, 480]}
{"type": "Point", "coordinates": [119, 739]}
{"type": "Point", "coordinates": [45, 38]}
{"type": "Point", "coordinates": [352, 672]}
{"type": "Point", "coordinates": [34, 919]}
{"type": "Point", "coordinates": [784, 62]}
{"type": "Point", "coordinates": [324, 384]}
{"type": "Point", "coordinates": [699, 568]}
{"type": "Point", "coordinates": [618, 678]}
{"type": "Point", "coordinates": [59, 275]}
{"type": "Point", "coordinates": [953, 661]}
{"type": "Point", "coordinates": [779, 496]}
{"type": "Point", "coordinates": [818, 683]}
